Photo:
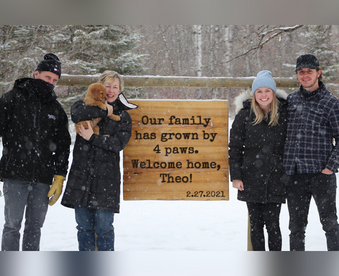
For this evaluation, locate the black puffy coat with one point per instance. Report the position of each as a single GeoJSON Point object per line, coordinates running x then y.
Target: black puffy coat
{"type": "Point", "coordinates": [94, 178]}
{"type": "Point", "coordinates": [255, 155]}
{"type": "Point", "coordinates": [34, 130]}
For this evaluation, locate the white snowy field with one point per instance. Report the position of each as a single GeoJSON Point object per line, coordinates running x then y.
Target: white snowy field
{"type": "Point", "coordinates": [169, 238]}
{"type": "Point", "coordinates": [174, 225]}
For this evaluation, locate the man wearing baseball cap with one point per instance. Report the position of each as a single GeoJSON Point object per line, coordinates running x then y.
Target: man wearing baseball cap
{"type": "Point", "coordinates": [34, 162]}
{"type": "Point", "coordinates": [310, 157]}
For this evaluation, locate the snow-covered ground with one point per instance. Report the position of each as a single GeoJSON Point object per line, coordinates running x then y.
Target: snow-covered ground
{"type": "Point", "coordinates": [174, 225]}
{"type": "Point", "coordinates": [209, 232]}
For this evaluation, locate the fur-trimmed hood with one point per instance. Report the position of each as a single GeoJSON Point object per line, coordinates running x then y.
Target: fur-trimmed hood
{"type": "Point", "coordinates": [241, 100]}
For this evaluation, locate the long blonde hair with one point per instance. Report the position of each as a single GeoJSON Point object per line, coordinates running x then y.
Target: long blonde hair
{"type": "Point", "coordinates": [260, 114]}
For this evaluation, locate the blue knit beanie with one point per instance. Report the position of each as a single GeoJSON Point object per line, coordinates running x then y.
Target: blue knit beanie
{"type": "Point", "coordinates": [264, 78]}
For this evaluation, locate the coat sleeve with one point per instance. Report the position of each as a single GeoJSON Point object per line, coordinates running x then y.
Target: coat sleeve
{"type": "Point", "coordinates": [333, 160]}
{"type": "Point", "coordinates": [5, 111]}
{"type": "Point", "coordinates": [119, 139]}
{"type": "Point", "coordinates": [63, 140]}
{"type": "Point", "coordinates": [236, 145]}
{"type": "Point", "coordinates": [81, 112]}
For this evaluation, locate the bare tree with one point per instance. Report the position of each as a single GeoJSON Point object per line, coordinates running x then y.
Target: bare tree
{"type": "Point", "coordinates": [198, 46]}
{"type": "Point", "coordinates": [228, 48]}
{"type": "Point", "coordinates": [265, 35]}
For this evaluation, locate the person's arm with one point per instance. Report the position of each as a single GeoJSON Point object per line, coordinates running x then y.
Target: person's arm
{"type": "Point", "coordinates": [81, 112]}
{"type": "Point", "coordinates": [61, 154]}
{"type": "Point", "coordinates": [333, 161]}
{"type": "Point", "coordinates": [115, 142]}
{"type": "Point", "coordinates": [97, 120]}
{"type": "Point", "coordinates": [5, 111]}
{"type": "Point", "coordinates": [62, 147]}
{"type": "Point", "coordinates": [236, 145]}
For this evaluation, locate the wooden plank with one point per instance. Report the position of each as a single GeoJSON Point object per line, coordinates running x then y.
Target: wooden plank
{"type": "Point", "coordinates": [175, 81]}
{"type": "Point", "coordinates": [178, 151]}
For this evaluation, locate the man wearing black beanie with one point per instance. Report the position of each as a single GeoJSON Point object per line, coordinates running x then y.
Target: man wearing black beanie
{"type": "Point", "coordinates": [51, 63]}
{"type": "Point", "coordinates": [34, 163]}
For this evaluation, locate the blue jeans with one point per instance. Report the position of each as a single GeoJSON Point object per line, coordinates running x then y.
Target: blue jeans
{"type": "Point", "coordinates": [94, 221]}
{"type": "Point", "coordinates": [20, 196]}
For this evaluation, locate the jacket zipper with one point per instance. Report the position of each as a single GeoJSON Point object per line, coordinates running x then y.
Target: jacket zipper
{"type": "Point", "coordinates": [36, 125]}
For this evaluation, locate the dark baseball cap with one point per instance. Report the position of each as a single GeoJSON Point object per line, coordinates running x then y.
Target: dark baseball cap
{"type": "Point", "coordinates": [307, 61]}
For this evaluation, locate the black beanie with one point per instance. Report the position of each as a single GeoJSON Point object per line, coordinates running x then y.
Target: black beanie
{"type": "Point", "coordinates": [50, 63]}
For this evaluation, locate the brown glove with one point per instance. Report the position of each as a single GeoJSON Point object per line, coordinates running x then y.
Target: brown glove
{"type": "Point", "coordinates": [56, 189]}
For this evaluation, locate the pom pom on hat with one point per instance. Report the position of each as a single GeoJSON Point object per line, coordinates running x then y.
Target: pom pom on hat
{"type": "Point", "coordinates": [50, 63]}
{"type": "Point", "coordinates": [264, 79]}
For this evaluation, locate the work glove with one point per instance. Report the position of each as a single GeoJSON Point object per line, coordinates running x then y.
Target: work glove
{"type": "Point", "coordinates": [56, 189]}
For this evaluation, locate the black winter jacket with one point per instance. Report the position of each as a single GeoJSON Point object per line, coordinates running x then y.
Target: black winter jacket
{"type": "Point", "coordinates": [94, 178]}
{"type": "Point", "coordinates": [255, 156]}
{"type": "Point", "coordinates": [34, 130]}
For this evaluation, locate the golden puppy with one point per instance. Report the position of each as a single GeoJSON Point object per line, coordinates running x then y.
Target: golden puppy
{"type": "Point", "coordinates": [95, 96]}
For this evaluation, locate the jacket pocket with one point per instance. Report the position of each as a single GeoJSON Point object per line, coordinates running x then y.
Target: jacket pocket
{"type": "Point", "coordinates": [317, 116]}
{"type": "Point", "coordinates": [101, 155]}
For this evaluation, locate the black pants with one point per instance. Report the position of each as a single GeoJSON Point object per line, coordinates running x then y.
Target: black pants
{"type": "Point", "coordinates": [265, 214]}
{"type": "Point", "coordinates": [299, 192]}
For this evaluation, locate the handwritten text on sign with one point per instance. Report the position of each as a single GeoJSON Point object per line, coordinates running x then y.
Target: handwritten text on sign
{"type": "Point", "coordinates": [178, 150]}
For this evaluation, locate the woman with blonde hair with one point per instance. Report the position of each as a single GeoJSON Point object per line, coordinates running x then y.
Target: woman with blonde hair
{"type": "Point", "coordinates": [256, 148]}
{"type": "Point", "coordinates": [93, 186]}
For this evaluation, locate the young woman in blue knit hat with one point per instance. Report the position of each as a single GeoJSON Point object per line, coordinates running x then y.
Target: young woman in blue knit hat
{"type": "Point", "coordinates": [256, 148]}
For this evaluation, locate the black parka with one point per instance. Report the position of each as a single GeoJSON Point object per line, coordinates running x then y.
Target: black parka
{"type": "Point", "coordinates": [94, 178]}
{"type": "Point", "coordinates": [255, 155]}
{"type": "Point", "coordinates": [34, 130]}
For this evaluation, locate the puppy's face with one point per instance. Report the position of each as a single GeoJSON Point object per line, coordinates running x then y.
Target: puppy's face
{"type": "Point", "coordinates": [97, 91]}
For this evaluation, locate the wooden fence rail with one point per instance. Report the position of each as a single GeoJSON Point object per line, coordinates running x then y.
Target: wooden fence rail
{"type": "Point", "coordinates": [175, 81]}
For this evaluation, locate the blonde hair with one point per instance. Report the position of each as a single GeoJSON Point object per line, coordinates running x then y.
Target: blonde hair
{"type": "Point", "coordinates": [110, 76]}
{"type": "Point", "coordinates": [260, 114]}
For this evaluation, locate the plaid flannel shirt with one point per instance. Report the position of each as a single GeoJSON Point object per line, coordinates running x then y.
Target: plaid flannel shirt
{"type": "Point", "coordinates": [312, 123]}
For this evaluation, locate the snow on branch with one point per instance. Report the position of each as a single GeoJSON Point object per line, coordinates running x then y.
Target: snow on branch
{"type": "Point", "coordinates": [266, 36]}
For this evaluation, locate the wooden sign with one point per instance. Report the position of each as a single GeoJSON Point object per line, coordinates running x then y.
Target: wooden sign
{"type": "Point", "coordinates": [178, 150]}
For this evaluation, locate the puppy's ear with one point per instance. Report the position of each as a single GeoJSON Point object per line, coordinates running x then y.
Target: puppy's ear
{"type": "Point", "coordinates": [102, 92]}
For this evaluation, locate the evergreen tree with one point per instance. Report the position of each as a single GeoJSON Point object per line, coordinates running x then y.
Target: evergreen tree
{"type": "Point", "coordinates": [323, 44]}
{"type": "Point", "coordinates": [94, 49]}
{"type": "Point", "coordinates": [21, 49]}
{"type": "Point", "coordinates": [82, 49]}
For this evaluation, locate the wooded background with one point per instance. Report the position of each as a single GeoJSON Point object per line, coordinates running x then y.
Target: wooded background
{"type": "Point", "coordinates": [174, 50]}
